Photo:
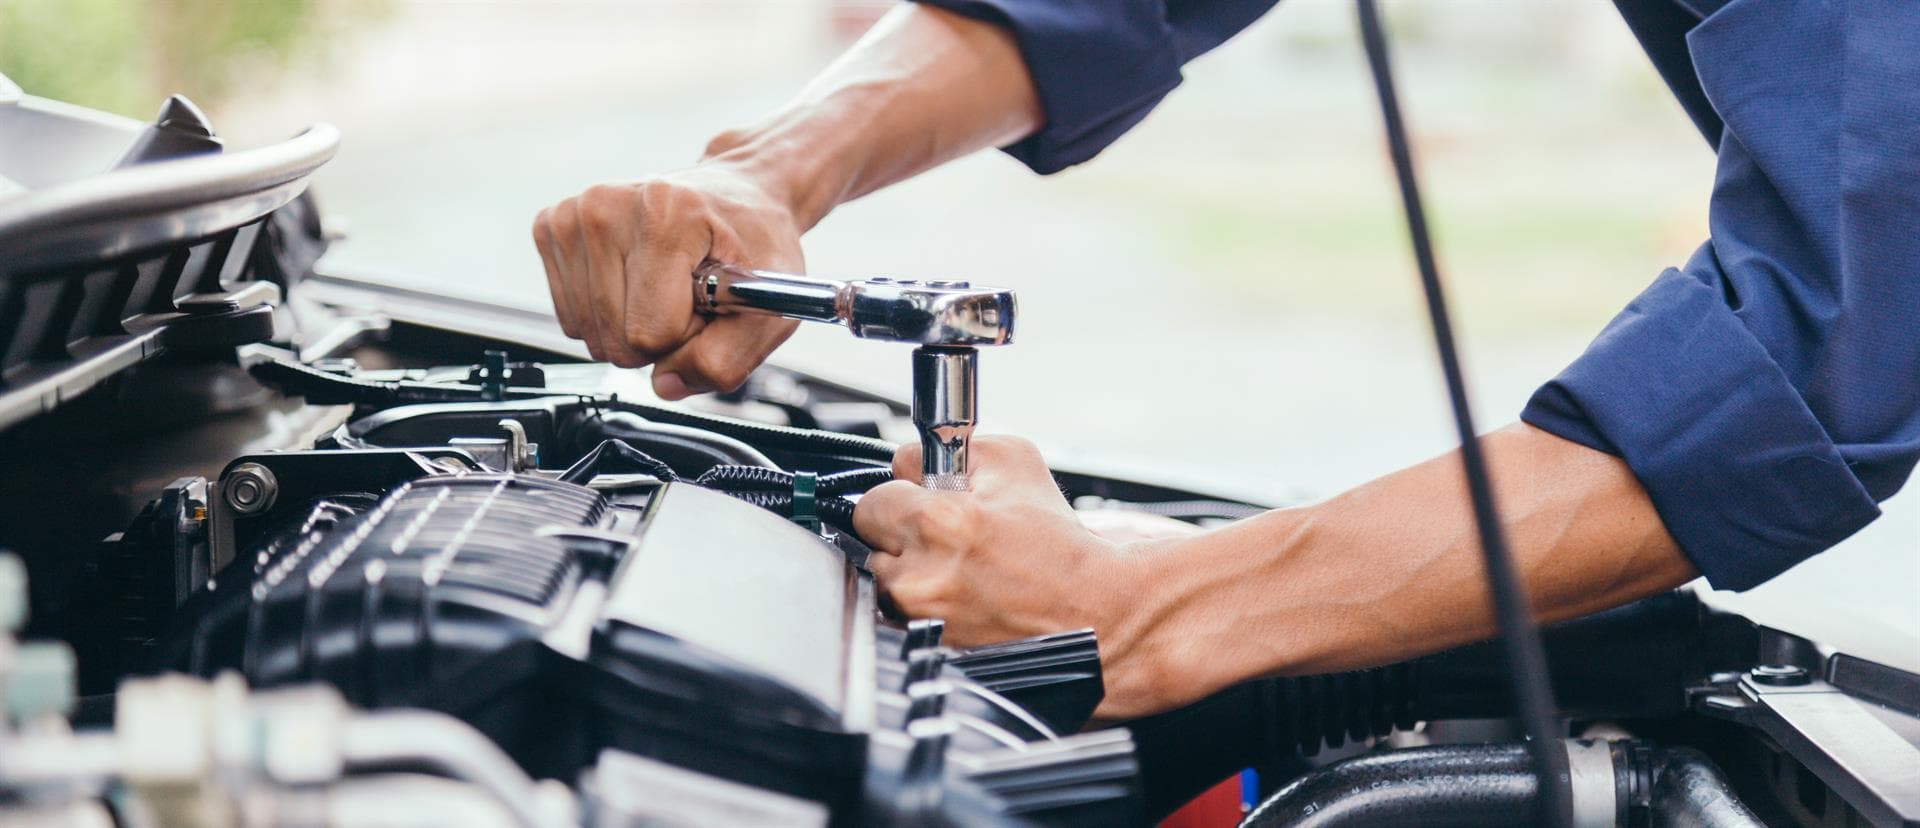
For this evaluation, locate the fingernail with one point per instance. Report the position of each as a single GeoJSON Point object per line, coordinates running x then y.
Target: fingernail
{"type": "Point", "coordinates": [669, 386]}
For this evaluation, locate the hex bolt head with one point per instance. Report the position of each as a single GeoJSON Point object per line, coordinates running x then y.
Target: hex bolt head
{"type": "Point", "coordinates": [251, 488]}
{"type": "Point", "coordinates": [1779, 675]}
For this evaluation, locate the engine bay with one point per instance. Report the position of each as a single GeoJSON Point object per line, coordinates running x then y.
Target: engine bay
{"type": "Point", "coordinates": [285, 547]}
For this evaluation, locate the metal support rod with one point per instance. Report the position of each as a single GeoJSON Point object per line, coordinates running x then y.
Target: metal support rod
{"type": "Point", "coordinates": [1526, 659]}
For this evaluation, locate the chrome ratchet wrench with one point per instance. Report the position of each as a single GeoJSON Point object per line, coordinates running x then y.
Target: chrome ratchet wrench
{"type": "Point", "coordinates": [947, 319]}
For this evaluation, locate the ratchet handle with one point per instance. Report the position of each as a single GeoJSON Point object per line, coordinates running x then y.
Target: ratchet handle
{"type": "Point", "coordinates": [934, 312]}
{"type": "Point", "coordinates": [720, 288]}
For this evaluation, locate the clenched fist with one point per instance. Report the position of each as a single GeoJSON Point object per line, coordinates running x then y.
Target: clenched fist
{"type": "Point", "coordinates": [1011, 559]}
{"type": "Point", "coordinates": [620, 260]}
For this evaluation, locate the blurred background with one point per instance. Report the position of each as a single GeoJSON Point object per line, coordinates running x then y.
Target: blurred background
{"type": "Point", "coordinates": [1224, 297]}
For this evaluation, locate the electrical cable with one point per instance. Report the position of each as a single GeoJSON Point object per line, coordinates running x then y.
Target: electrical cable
{"type": "Point", "coordinates": [1526, 659]}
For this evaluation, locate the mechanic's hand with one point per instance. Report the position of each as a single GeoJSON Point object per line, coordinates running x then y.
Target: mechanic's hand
{"type": "Point", "coordinates": [620, 261]}
{"type": "Point", "coordinates": [1008, 559]}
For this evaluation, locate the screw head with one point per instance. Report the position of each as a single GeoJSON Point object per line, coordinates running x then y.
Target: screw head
{"type": "Point", "coordinates": [251, 488]}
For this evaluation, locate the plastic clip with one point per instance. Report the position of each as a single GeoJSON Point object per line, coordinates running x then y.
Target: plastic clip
{"type": "Point", "coordinates": [493, 376]}
{"type": "Point", "coordinates": [805, 508]}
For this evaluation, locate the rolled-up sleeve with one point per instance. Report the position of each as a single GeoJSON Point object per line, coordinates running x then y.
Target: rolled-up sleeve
{"type": "Point", "coordinates": [1101, 65]}
{"type": "Point", "coordinates": [1767, 394]}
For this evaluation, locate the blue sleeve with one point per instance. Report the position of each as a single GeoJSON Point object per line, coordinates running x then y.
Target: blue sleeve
{"type": "Point", "coordinates": [1101, 65]}
{"type": "Point", "coordinates": [1767, 394]}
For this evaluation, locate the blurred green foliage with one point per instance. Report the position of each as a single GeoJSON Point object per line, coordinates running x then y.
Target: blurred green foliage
{"type": "Point", "coordinates": [126, 55]}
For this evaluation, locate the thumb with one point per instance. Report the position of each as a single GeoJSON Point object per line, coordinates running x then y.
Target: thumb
{"type": "Point", "coordinates": [884, 517]}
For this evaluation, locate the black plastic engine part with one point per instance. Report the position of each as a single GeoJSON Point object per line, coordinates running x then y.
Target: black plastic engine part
{"type": "Point", "coordinates": [1494, 785]}
{"type": "Point", "coordinates": [178, 131]}
{"type": "Point", "coordinates": [670, 622]}
{"type": "Point", "coordinates": [781, 442]}
{"type": "Point", "coordinates": [1056, 677]}
{"type": "Point", "coordinates": [1635, 661]}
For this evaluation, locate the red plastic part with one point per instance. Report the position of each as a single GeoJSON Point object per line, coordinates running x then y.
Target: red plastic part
{"type": "Point", "coordinates": [1218, 807]}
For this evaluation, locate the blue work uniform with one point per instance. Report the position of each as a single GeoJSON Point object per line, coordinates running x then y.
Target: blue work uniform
{"type": "Point", "coordinates": [1767, 393]}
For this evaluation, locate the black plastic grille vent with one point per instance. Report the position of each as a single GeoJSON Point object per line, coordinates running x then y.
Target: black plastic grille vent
{"type": "Point", "coordinates": [438, 575]}
{"type": "Point", "coordinates": [477, 531]}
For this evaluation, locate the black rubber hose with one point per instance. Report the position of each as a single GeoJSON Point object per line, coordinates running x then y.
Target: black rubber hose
{"type": "Point", "coordinates": [614, 456]}
{"type": "Point", "coordinates": [752, 478]}
{"type": "Point", "coordinates": [1482, 786]}
{"type": "Point", "coordinates": [835, 511]}
{"type": "Point", "coordinates": [1494, 785]}
{"type": "Point", "coordinates": [745, 478]}
{"type": "Point", "coordinates": [764, 436]}
{"type": "Point", "coordinates": [856, 480]}
{"type": "Point", "coordinates": [1688, 789]}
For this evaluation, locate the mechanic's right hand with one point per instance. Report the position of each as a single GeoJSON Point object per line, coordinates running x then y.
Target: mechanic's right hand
{"type": "Point", "coordinates": [620, 261]}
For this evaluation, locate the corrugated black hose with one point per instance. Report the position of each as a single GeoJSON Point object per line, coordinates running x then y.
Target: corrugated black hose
{"type": "Point", "coordinates": [1526, 658]}
{"type": "Point", "coordinates": [770, 489]}
{"type": "Point", "coordinates": [747, 478]}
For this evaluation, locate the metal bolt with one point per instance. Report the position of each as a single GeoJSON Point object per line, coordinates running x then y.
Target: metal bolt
{"type": "Point", "coordinates": [1779, 675]}
{"type": "Point", "coordinates": [251, 488]}
{"type": "Point", "coordinates": [519, 453]}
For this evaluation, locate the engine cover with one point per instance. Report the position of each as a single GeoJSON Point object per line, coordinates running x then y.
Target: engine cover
{"type": "Point", "coordinates": [666, 621]}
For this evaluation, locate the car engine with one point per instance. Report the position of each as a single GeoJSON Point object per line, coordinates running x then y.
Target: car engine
{"type": "Point", "coordinates": [285, 547]}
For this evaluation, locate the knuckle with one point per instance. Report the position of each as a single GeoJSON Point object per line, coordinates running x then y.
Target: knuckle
{"type": "Point", "coordinates": [627, 359]}
{"type": "Point", "coordinates": [562, 218]}
{"type": "Point", "coordinates": [724, 141]}
{"type": "Point", "coordinates": [946, 521]}
{"type": "Point", "coordinates": [658, 191]}
{"type": "Point", "coordinates": [720, 370]}
{"type": "Point", "coordinates": [602, 208]}
{"type": "Point", "coordinates": [541, 222]}
{"type": "Point", "coordinates": [647, 336]}
{"type": "Point", "coordinates": [669, 205]}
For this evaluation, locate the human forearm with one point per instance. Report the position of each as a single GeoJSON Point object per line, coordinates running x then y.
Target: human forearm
{"type": "Point", "coordinates": [1391, 569]}
{"type": "Point", "coordinates": [923, 87]}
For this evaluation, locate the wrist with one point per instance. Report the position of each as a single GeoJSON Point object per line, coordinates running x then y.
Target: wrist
{"type": "Point", "coordinates": [1141, 642]}
{"type": "Point", "coordinates": [1222, 607]}
{"type": "Point", "coordinates": [790, 160]}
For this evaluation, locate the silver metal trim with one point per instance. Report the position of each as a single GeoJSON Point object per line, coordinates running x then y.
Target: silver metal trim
{"type": "Point", "coordinates": [148, 205]}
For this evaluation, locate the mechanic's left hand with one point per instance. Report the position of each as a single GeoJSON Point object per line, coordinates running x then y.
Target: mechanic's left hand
{"type": "Point", "coordinates": [1008, 559]}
